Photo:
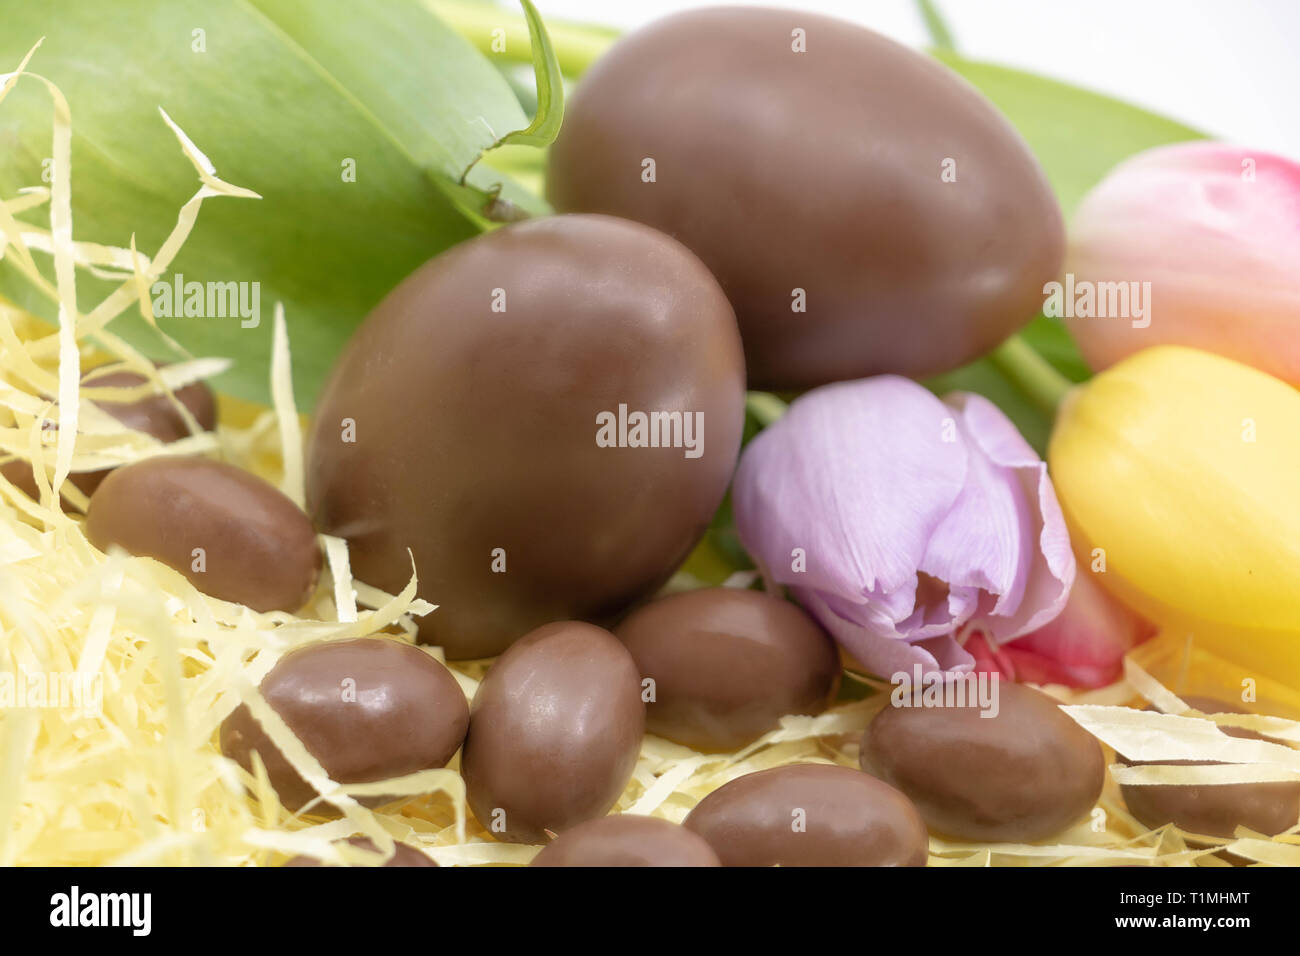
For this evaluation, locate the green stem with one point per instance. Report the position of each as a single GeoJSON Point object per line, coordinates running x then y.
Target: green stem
{"type": "Point", "coordinates": [576, 45]}
{"type": "Point", "coordinates": [1031, 373]}
{"type": "Point", "coordinates": [765, 407]}
{"type": "Point", "coordinates": [940, 35]}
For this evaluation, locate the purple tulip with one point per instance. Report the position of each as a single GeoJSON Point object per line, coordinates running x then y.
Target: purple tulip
{"type": "Point", "coordinates": [901, 521]}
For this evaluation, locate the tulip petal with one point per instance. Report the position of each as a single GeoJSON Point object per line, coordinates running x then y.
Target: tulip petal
{"type": "Point", "coordinates": [1046, 570]}
{"type": "Point", "coordinates": [986, 540]}
{"type": "Point", "coordinates": [915, 517]}
{"type": "Point", "coordinates": [1085, 645]}
{"type": "Point", "coordinates": [856, 474]}
{"type": "Point", "coordinates": [882, 656]}
{"type": "Point", "coordinates": [1214, 230]}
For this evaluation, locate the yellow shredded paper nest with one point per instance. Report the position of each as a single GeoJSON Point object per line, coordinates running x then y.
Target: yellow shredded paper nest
{"type": "Point", "coordinates": [117, 762]}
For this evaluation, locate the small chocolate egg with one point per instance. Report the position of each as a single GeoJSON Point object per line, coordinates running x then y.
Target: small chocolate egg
{"type": "Point", "coordinates": [403, 855]}
{"type": "Point", "coordinates": [233, 535]}
{"type": "Point", "coordinates": [1024, 774]}
{"type": "Point", "coordinates": [627, 840]}
{"type": "Point", "coordinates": [866, 209]}
{"type": "Point", "coordinates": [554, 732]}
{"type": "Point", "coordinates": [154, 415]}
{"type": "Point", "coordinates": [546, 416]}
{"type": "Point", "coordinates": [1216, 810]}
{"type": "Point", "coordinates": [368, 709]}
{"type": "Point", "coordinates": [728, 664]}
{"type": "Point", "coordinates": [811, 815]}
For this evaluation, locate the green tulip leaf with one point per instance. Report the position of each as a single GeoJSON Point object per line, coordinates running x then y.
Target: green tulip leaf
{"type": "Point", "coordinates": [549, 82]}
{"type": "Point", "coordinates": [1077, 135]}
{"type": "Point", "coordinates": [360, 125]}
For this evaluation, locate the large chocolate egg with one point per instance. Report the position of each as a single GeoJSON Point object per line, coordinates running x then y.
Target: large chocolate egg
{"type": "Point", "coordinates": [864, 207]}
{"type": "Point", "coordinates": [547, 416]}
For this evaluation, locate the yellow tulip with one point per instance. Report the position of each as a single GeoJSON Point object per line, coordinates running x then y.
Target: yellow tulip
{"type": "Point", "coordinates": [1179, 474]}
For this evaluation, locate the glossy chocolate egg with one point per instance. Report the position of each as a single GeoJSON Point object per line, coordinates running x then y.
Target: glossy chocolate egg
{"type": "Point", "coordinates": [403, 855]}
{"type": "Point", "coordinates": [233, 535]}
{"type": "Point", "coordinates": [627, 840]}
{"type": "Point", "coordinates": [554, 732]}
{"type": "Point", "coordinates": [1022, 775]}
{"type": "Point", "coordinates": [493, 416]}
{"type": "Point", "coordinates": [811, 815]}
{"type": "Point", "coordinates": [728, 664]}
{"type": "Point", "coordinates": [368, 709]}
{"type": "Point", "coordinates": [1217, 810]}
{"type": "Point", "coordinates": [864, 207]}
{"type": "Point", "coordinates": [154, 415]}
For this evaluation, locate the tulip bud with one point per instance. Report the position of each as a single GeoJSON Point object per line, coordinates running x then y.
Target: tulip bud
{"type": "Point", "coordinates": [1179, 475]}
{"type": "Point", "coordinates": [1194, 244]}
{"type": "Point", "coordinates": [896, 519]}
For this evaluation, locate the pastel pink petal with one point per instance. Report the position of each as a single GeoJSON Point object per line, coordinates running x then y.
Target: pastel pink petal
{"type": "Point", "coordinates": [1085, 645]}
{"type": "Point", "coordinates": [914, 517]}
{"type": "Point", "coordinates": [986, 540]}
{"type": "Point", "coordinates": [989, 658]}
{"type": "Point", "coordinates": [1044, 576]}
{"type": "Point", "coordinates": [886, 657]}
{"type": "Point", "coordinates": [857, 475]}
{"type": "Point", "coordinates": [1215, 229]}
{"type": "Point", "coordinates": [901, 616]}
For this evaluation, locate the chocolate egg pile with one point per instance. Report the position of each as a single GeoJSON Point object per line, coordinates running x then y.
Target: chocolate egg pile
{"type": "Point", "coordinates": [541, 423]}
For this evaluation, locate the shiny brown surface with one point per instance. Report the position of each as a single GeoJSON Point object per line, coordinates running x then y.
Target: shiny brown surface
{"type": "Point", "coordinates": [728, 664]}
{"type": "Point", "coordinates": [476, 430]}
{"type": "Point", "coordinates": [259, 549]}
{"type": "Point", "coordinates": [368, 709]}
{"type": "Point", "coordinates": [554, 732]}
{"type": "Point", "coordinates": [153, 415]}
{"type": "Point", "coordinates": [1217, 810]}
{"type": "Point", "coordinates": [627, 840]}
{"type": "Point", "coordinates": [848, 817]}
{"type": "Point", "coordinates": [403, 855]}
{"type": "Point", "coordinates": [818, 171]}
{"type": "Point", "coordinates": [1024, 775]}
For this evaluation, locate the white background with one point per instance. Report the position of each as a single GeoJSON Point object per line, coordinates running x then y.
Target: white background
{"type": "Point", "coordinates": [1228, 67]}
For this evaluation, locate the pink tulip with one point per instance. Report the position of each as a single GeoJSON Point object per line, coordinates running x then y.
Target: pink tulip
{"type": "Point", "coordinates": [897, 519]}
{"type": "Point", "coordinates": [1209, 236]}
{"type": "Point", "coordinates": [1083, 647]}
